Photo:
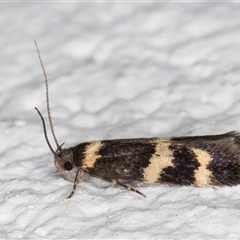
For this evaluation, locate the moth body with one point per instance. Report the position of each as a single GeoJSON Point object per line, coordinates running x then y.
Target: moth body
{"type": "Point", "coordinates": [198, 161]}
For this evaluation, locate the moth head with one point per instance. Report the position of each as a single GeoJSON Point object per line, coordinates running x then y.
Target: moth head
{"type": "Point", "coordinates": [63, 160]}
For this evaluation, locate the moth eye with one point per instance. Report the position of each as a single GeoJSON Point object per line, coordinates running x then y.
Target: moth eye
{"type": "Point", "coordinates": [68, 166]}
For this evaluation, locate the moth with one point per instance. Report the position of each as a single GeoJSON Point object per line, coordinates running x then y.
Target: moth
{"type": "Point", "coordinates": [211, 160]}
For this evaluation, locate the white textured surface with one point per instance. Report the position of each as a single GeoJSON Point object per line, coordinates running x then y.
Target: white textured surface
{"type": "Point", "coordinates": [116, 70]}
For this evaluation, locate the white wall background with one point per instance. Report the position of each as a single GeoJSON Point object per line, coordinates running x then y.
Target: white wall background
{"type": "Point", "coordinates": [116, 70]}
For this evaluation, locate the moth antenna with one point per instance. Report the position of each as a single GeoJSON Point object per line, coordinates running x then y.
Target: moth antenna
{"type": "Point", "coordinates": [48, 105]}
{"type": "Point", "coordinates": [45, 131]}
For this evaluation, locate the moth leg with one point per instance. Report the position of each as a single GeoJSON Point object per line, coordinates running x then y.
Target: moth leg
{"type": "Point", "coordinates": [114, 181]}
{"type": "Point", "coordinates": [76, 181]}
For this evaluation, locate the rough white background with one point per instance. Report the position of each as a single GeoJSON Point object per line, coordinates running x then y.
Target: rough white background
{"type": "Point", "coordinates": [116, 70]}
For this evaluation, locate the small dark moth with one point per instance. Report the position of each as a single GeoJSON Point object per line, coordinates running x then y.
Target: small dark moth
{"type": "Point", "coordinates": [211, 160]}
